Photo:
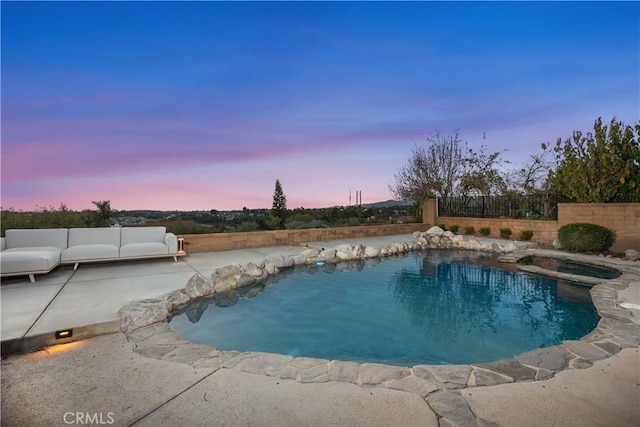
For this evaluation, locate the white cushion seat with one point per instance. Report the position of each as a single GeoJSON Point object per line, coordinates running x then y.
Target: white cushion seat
{"type": "Point", "coordinates": [145, 241]}
{"type": "Point", "coordinates": [87, 252]}
{"type": "Point", "coordinates": [28, 261]}
{"type": "Point", "coordinates": [88, 244]}
{"type": "Point", "coordinates": [143, 249]}
{"type": "Point", "coordinates": [29, 251]}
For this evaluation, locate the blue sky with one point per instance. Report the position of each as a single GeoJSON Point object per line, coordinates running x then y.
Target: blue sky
{"type": "Point", "coordinates": [203, 105]}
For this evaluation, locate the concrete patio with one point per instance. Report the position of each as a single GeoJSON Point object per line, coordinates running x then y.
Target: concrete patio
{"type": "Point", "coordinates": [100, 379]}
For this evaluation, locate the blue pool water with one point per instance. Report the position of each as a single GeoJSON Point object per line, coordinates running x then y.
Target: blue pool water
{"type": "Point", "coordinates": [571, 267]}
{"type": "Point", "coordinates": [429, 307]}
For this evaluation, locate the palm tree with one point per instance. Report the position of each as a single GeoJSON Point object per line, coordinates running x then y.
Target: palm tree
{"type": "Point", "coordinates": [104, 213]}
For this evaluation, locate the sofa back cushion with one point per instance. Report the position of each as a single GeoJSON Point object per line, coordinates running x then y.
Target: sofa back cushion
{"type": "Point", "coordinates": [94, 236]}
{"type": "Point", "coordinates": [29, 238]}
{"type": "Point", "coordinates": [143, 234]}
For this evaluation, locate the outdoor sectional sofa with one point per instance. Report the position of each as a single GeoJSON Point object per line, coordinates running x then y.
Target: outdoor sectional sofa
{"type": "Point", "coordinates": [30, 252]}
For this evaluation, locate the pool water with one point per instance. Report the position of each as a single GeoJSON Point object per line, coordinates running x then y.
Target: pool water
{"type": "Point", "coordinates": [571, 267]}
{"type": "Point", "coordinates": [428, 307]}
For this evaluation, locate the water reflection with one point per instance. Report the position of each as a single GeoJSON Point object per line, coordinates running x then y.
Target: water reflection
{"type": "Point", "coordinates": [570, 267]}
{"type": "Point", "coordinates": [195, 309]}
{"type": "Point", "coordinates": [457, 292]}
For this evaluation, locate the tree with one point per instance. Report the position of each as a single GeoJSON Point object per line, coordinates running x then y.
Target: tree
{"type": "Point", "coordinates": [481, 176]}
{"type": "Point", "coordinates": [103, 214]}
{"type": "Point", "coordinates": [601, 167]}
{"type": "Point", "coordinates": [279, 209]}
{"type": "Point", "coordinates": [447, 168]}
{"type": "Point", "coordinates": [431, 171]}
{"type": "Point", "coordinates": [532, 177]}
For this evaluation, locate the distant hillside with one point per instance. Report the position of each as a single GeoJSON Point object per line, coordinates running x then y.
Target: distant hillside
{"type": "Point", "coordinates": [389, 204]}
{"type": "Point", "coordinates": [152, 214]}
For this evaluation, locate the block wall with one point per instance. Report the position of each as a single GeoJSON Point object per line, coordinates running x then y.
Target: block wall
{"type": "Point", "coordinates": [622, 218]}
{"type": "Point", "coordinates": [544, 232]}
{"type": "Point", "coordinates": [214, 242]}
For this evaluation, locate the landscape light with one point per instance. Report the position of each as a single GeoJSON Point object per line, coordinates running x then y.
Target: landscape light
{"type": "Point", "coordinates": [65, 333]}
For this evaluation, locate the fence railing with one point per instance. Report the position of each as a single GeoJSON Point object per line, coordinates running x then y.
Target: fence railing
{"type": "Point", "coordinates": [511, 206]}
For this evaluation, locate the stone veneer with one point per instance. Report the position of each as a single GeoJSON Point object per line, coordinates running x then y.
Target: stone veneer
{"type": "Point", "coordinates": [146, 326]}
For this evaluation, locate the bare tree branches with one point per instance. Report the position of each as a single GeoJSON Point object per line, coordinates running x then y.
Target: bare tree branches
{"type": "Point", "coordinates": [431, 171]}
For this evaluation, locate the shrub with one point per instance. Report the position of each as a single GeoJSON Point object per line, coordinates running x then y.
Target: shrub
{"type": "Point", "coordinates": [585, 237]}
{"type": "Point", "coordinates": [485, 231]}
{"type": "Point", "coordinates": [526, 235]}
{"type": "Point", "coordinates": [51, 217]}
{"type": "Point", "coordinates": [505, 233]}
{"type": "Point", "coordinates": [181, 227]}
{"type": "Point", "coordinates": [454, 228]}
{"type": "Point", "coordinates": [469, 230]}
{"type": "Point", "coordinates": [348, 222]}
{"type": "Point", "coordinates": [443, 226]}
{"type": "Point", "coordinates": [247, 226]}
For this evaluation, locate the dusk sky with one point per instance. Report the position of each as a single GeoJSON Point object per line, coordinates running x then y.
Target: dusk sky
{"type": "Point", "coordinates": [203, 105]}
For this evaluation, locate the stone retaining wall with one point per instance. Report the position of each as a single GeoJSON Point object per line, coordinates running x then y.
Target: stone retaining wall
{"type": "Point", "coordinates": [215, 242]}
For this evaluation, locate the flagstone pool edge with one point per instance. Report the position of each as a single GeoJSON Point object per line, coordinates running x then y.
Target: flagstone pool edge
{"type": "Point", "coordinates": [151, 336]}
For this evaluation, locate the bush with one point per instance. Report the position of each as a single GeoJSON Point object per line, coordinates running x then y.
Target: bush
{"type": "Point", "coordinates": [505, 233]}
{"type": "Point", "coordinates": [181, 227]}
{"type": "Point", "coordinates": [454, 228]}
{"type": "Point", "coordinates": [469, 230]}
{"type": "Point", "coordinates": [247, 226]}
{"type": "Point", "coordinates": [526, 235]}
{"type": "Point", "coordinates": [348, 222]}
{"type": "Point", "coordinates": [485, 231]}
{"type": "Point", "coordinates": [585, 237]}
{"type": "Point", "coordinates": [51, 217]}
{"type": "Point", "coordinates": [443, 226]}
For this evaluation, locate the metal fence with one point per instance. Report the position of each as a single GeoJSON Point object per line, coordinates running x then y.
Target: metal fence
{"type": "Point", "coordinates": [511, 206]}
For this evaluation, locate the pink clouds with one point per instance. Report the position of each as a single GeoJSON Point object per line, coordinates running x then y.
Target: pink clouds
{"type": "Point", "coordinates": [317, 180]}
{"type": "Point", "coordinates": [84, 147]}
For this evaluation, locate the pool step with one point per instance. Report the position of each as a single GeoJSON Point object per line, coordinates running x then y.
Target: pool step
{"type": "Point", "coordinates": [586, 280]}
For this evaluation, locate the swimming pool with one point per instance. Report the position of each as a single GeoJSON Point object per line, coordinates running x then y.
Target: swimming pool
{"type": "Point", "coordinates": [428, 307]}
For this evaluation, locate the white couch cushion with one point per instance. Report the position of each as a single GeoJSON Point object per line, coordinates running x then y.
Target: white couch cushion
{"type": "Point", "coordinates": [142, 235]}
{"type": "Point", "coordinates": [86, 244]}
{"type": "Point", "coordinates": [26, 261]}
{"type": "Point", "coordinates": [89, 252]}
{"type": "Point", "coordinates": [103, 235]}
{"type": "Point", "coordinates": [143, 249]}
{"type": "Point", "coordinates": [17, 238]}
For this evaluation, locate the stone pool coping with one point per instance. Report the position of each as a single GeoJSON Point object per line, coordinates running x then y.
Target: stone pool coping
{"type": "Point", "coordinates": [146, 326]}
